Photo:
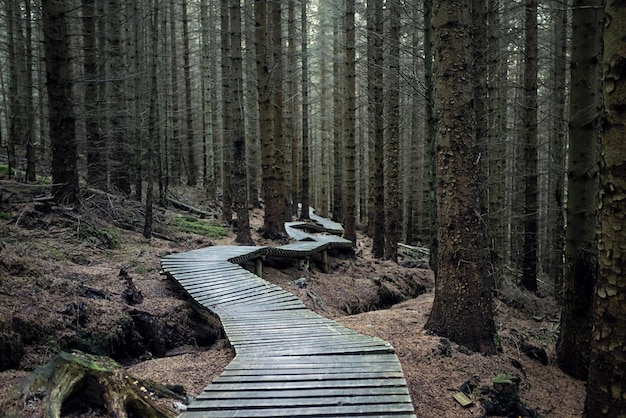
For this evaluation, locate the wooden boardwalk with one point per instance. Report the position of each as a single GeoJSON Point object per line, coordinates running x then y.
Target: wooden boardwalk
{"type": "Point", "coordinates": [290, 361]}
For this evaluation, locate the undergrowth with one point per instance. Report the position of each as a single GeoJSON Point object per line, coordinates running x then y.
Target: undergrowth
{"type": "Point", "coordinates": [191, 225]}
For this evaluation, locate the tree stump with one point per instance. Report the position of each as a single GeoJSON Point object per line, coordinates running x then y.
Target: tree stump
{"type": "Point", "coordinates": [79, 382]}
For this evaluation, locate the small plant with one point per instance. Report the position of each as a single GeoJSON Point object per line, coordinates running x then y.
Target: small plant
{"type": "Point", "coordinates": [191, 225]}
{"type": "Point", "coordinates": [4, 169]}
{"type": "Point", "coordinates": [5, 216]}
{"type": "Point", "coordinates": [110, 238]}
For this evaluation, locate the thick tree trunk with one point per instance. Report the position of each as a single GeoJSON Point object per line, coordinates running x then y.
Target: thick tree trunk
{"type": "Point", "coordinates": [60, 102]}
{"type": "Point", "coordinates": [606, 387]}
{"type": "Point", "coordinates": [392, 143]}
{"type": "Point", "coordinates": [462, 309]}
{"type": "Point", "coordinates": [581, 255]}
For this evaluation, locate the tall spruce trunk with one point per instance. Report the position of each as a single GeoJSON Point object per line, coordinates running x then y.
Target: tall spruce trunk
{"type": "Point", "coordinates": [462, 310]}
{"type": "Point", "coordinates": [392, 142]}
{"type": "Point", "coordinates": [239, 180]}
{"type": "Point", "coordinates": [60, 102]}
{"type": "Point", "coordinates": [192, 167]}
{"type": "Point", "coordinates": [376, 125]}
{"type": "Point", "coordinates": [350, 144]}
{"type": "Point", "coordinates": [606, 386]}
{"type": "Point", "coordinates": [581, 254]}
{"type": "Point", "coordinates": [304, 181]}
{"type": "Point", "coordinates": [529, 115]}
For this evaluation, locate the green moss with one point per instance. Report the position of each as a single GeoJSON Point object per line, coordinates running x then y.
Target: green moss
{"type": "Point", "coordinates": [5, 216]}
{"type": "Point", "coordinates": [191, 225]}
{"type": "Point", "coordinates": [506, 378]}
{"type": "Point", "coordinates": [4, 169]}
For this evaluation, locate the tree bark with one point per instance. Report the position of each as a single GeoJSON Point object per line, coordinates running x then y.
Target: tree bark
{"type": "Point", "coordinates": [606, 387]}
{"type": "Point", "coordinates": [350, 144]}
{"type": "Point", "coordinates": [429, 132]}
{"type": "Point", "coordinates": [392, 143]}
{"type": "Point", "coordinates": [462, 310]}
{"type": "Point", "coordinates": [227, 109]}
{"type": "Point", "coordinates": [376, 125]}
{"type": "Point", "coordinates": [304, 188]}
{"type": "Point", "coordinates": [581, 255]}
{"type": "Point", "coordinates": [120, 152]}
{"type": "Point", "coordinates": [192, 166]}
{"type": "Point", "coordinates": [60, 102]}
{"type": "Point", "coordinates": [529, 114]}
{"type": "Point", "coordinates": [239, 180]}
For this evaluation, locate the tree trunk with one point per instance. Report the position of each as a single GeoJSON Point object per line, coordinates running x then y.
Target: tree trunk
{"type": "Point", "coordinates": [304, 188]}
{"type": "Point", "coordinates": [208, 160]}
{"type": "Point", "coordinates": [192, 167]}
{"type": "Point", "coordinates": [227, 109]}
{"type": "Point", "coordinates": [606, 387]}
{"type": "Point", "coordinates": [338, 111]}
{"type": "Point", "coordinates": [462, 310]}
{"type": "Point", "coordinates": [153, 124]}
{"type": "Point", "coordinates": [120, 152]}
{"type": "Point", "coordinates": [271, 119]}
{"type": "Point", "coordinates": [429, 133]}
{"type": "Point", "coordinates": [350, 144]}
{"type": "Point", "coordinates": [496, 150]}
{"type": "Point", "coordinates": [29, 111]}
{"type": "Point", "coordinates": [529, 115]}
{"type": "Point", "coordinates": [581, 255]}
{"type": "Point", "coordinates": [556, 169]}
{"type": "Point", "coordinates": [392, 143]}
{"type": "Point", "coordinates": [292, 119]}
{"type": "Point", "coordinates": [176, 148]}
{"type": "Point", "coordinates": [239, 181]}
{"type": "Point", "coordinates": [376, 125]}
{"type": "Point", "coordinates": [60, 102]}
{"type": "Point", "coordinates": [96, 146]}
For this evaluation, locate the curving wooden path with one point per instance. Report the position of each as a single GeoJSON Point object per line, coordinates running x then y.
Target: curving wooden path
{"type": "Point", "coordinates": [290, 361]}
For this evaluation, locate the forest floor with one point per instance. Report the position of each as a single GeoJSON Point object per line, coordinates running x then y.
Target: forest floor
{"type": "Point", "coordinates": [61, 288]}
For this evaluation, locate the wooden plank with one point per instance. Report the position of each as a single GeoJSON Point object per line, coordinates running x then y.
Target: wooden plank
{"type": "Point", "coordinates": [209, 393]}
{"type": "Point", "coordinates": [272, 402]}
{"type": "Point", "coordinates": [251, 293]}
{"type": "Point", "coordinates": [363, 383]}
{"type": "Point", "coordinates": [295, 377]}
{"type": "Point", "coordinates": [287, 411]}
{"type": "Point", "coordinates": [255, 371]}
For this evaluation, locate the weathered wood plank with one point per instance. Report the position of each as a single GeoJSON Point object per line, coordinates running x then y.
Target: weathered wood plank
{"type": "Point", "coordinates": [209, 393]}
{"type": "Point", "coordinates": [272, 402]}
{"type": "Point", "coordinates": [287, 411]}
